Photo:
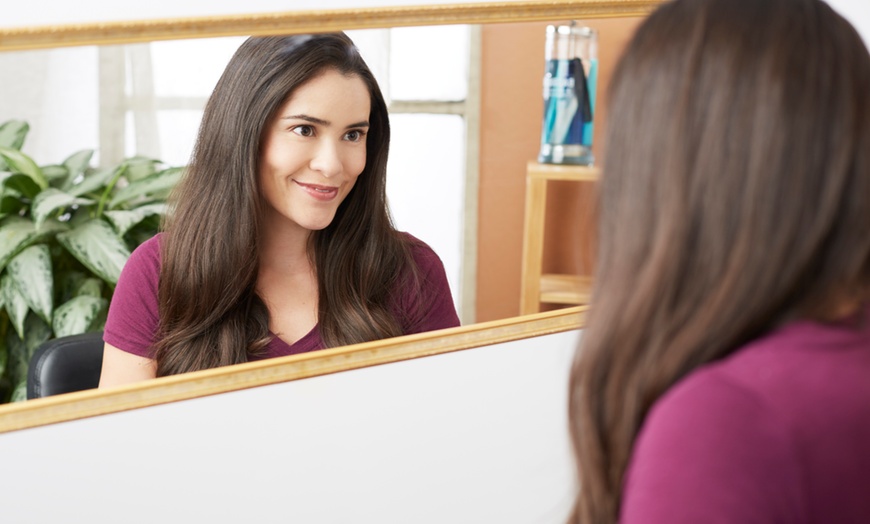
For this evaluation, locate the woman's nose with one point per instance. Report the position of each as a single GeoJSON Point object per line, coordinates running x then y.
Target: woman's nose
{"type": "Point", "coordinates": [327, 159]}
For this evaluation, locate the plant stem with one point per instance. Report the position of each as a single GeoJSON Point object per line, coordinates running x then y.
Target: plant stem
{"type": "Point", "coordinates": [121, 170]}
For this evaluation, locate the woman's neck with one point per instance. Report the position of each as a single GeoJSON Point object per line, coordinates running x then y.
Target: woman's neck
{"type": "Point", "coordinates": [287, 283]}
{"type": "Point", "coordinates": [285, 250]}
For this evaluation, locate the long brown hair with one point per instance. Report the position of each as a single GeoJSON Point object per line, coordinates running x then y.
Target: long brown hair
{"type": "Point", "coordinates": [735, 196]}
{"type": "Point", "coordinates": [210, 313]}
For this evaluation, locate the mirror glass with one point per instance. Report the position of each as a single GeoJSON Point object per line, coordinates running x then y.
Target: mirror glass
{"type": "Point", "coordinates": [465, 106]}
{"type": "Point", "coordinates": [147, 99]}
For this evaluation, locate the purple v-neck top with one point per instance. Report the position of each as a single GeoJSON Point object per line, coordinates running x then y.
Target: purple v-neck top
{"type": "Point", "coordinates": [777, 432]}
{"type": "Point", "coordinates": [133, 313]}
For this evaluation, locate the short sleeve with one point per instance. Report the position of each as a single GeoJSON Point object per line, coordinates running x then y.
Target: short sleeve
{"type": "Point", "coordinates": [429, 306]}
{"type": "Point", "coordinates": [133, 312]}
{"type": "Point", "coordinates": [711, 452]}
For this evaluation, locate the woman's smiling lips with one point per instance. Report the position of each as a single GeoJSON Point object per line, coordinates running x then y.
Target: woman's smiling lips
{"type": "Point", "coordinates": [324, 193]}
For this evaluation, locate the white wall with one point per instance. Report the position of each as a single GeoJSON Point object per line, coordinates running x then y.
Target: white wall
{"type": "Point", "coordinates": [477, 436]}
{"type": "Point", "coordinates": [56, 92]}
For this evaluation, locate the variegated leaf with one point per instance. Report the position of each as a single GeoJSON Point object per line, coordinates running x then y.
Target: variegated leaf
{"type": "Point", "coordinates": [18, 162]}
{"type": "Point", "coordinates": [36, 332]}
{"type": "Point", "coordinates": [19, 393]}
{"type": "Point", "coordinates": [123, 220]}
{"type": "Point", "coordinates": [93, 182]}
{"type": "Point", "coordinates": [157, 182]}
{"type": "Point", "coordinates": [13, 133]}
{"type": "Point", "coordinates": [96, 245]}
{"type": "Point", "coordinates": [8, 205]}
{"type": "Point", "coordinates": [76, 164]}
{"type": "Point", "coordinates": [77, 315]}
{"type": "Point", "coordinates": [4, 353]}
{"type": "Point", "coordinates": [16, 306]}
{"type": "Point", "coordinates": [31, 271]}
{"type": "Point", "coordinates": [139, 167]}
{"type": "Point", "coordinates": [50, 227]}
{"type": "Point", "coordinates": [68, 282]}
{"type": "Point", "coordinates": [15, 234]}
{"type": "Point", "coordinates": [17, 357]}
{"type": "Point", "coordinates": [50, 200]}
{"type": "Point", "coordinates": [20, 183]}
{"type": "Point", "coordinates": [90, 287]}
{"type": "Point", "coordinates": [3, 176]}
{"type": "Point", "coordinates": [55, 174]}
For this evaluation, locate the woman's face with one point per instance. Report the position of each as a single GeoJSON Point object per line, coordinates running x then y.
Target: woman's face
{"type": "Point", "coordinates": [313, 151]}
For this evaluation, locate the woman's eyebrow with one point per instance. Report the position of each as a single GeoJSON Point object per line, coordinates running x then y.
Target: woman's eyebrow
{"type": "Point", "coordinates": [307, 118]}
{"type": "Point", "coordinates": [321, 122]}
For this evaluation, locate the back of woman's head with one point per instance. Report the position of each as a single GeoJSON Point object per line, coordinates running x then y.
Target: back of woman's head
{"type": "Point", "coordinates": [735, 196]}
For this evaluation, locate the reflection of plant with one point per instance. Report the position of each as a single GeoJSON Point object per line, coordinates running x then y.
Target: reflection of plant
{"type": "Point", "coordinates": [65, 233]}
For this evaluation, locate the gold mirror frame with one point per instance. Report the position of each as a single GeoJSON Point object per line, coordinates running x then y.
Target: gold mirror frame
{"type": "Point", "coordinates": [315, 21]}
{"type": "Point", "coordinates": [83, 404]}
{"type": "Point", "coordinates": [39, 412]}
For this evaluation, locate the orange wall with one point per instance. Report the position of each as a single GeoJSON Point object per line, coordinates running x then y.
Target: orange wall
{"type": "Point", "coordinates": [512, 69]}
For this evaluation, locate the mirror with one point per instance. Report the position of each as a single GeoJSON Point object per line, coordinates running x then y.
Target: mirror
{"type": "Point", "coordinates": [146, 99]}
{"type": "Point", "coordinates": [94, 66]}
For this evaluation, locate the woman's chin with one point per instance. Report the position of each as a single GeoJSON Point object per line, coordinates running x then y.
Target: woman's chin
{"type": "Point", "coordinates": [317, 224]}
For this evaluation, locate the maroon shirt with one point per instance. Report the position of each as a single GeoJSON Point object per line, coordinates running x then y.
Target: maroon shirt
{"type": "Point", "coordinates": [778, 432]}
{"type": "Point", "coordinates": [133, 312]}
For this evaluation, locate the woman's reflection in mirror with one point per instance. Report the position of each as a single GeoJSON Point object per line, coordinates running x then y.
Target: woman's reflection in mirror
{"type": "Point", "coordinates": [280, 240]}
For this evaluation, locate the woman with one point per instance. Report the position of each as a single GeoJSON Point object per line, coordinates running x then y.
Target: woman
{"type": "Point", "coordinates": [724, 372]}
{"type": "Point", "coordinates": [280, 241]}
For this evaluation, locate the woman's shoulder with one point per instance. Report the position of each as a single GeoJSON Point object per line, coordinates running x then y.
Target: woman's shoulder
{"type": "Point", "coordinates": [424, 298]}
{"type": "Point", "coordinates": [709, 447]}
{"type": "Point", "coordinates": [711, 439]}
{"type": "Point", "coordinates": [789, 409]}
{"type": "Point", "coordinates": [789, 368]}
{"type": "Point", "coordinates": [148, 251]}
{"type": "Point", "coordinates": [133, 311]}
{"type": "Point", "coordinates": [143, 265]}
{"type": "Point", "coordinates": [424, 256]}
{"type": "Point", "coordinates": [784, 375]}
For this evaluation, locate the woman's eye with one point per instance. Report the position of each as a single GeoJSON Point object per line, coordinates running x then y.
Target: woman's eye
{"type": "Point", "coordinates": [304, 130]}
{"type": "Point", "coordinates": [354, 136]}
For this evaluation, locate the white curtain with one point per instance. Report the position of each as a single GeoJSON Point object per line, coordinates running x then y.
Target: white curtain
{"type": "Point", "coordinates": [56, 91]}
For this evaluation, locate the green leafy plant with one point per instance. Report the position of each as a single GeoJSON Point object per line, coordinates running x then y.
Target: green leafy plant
{"type": "Point", "coordinates": [65, 233]}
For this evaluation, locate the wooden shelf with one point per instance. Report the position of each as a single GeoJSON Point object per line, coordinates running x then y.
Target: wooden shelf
{"type": "Point", "coordinates": [536, 171]}
{"type": "Point", "coordinates": [537, 287]}
{"type": "Point", "coordinates": [565, 289]}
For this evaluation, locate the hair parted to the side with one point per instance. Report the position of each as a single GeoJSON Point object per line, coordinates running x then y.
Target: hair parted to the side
{"type": "Point", "coordinates": [210, 313]}
{"type": "Point", "coordinates": [735, 196]}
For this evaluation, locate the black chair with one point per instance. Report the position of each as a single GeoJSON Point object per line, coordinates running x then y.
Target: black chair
{"type": "Point", "coordinates": [65, 364]}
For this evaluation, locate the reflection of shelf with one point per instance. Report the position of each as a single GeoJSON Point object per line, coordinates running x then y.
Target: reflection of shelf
{"type": "Point", "coordinates": [537, 287]}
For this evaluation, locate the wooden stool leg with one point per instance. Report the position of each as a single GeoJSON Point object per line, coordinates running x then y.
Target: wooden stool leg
{"type": "Point", "coordinates": [533, 245]}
